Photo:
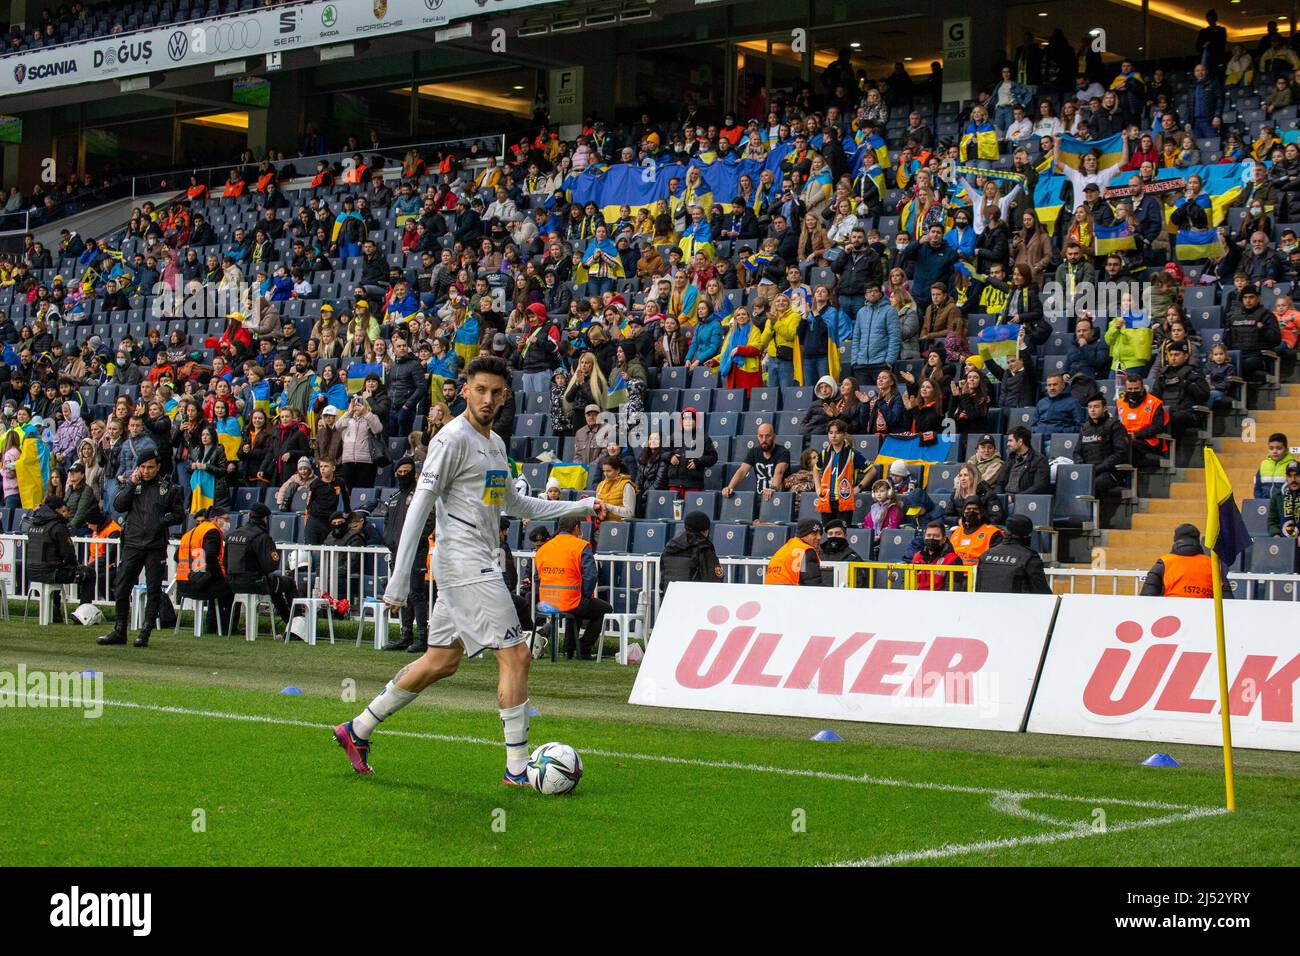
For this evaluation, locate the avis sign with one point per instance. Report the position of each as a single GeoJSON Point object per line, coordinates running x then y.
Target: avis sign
{"type": "Point", "coordinates": [943, 660]}
{"type": "Point", "coordinates": [1141, 668]}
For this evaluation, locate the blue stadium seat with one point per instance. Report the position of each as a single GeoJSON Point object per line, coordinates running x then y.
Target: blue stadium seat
{"type": "Point", "coordinates": [1255, 512]}
{"type": "Point", "coordinates": [535, 474]}
{"type": "Point", "coordinates": [868, 445]}
{"type": "Point", "coordinates": [750, 421]}
{"type": "Point", "coordinates": [706, 501]}
{"type": "Point", "coordinates": [673, 377]}
{"type": "Point", "coordinates": [1073, 502]}
{"type": "Point", "coordinates": [729, 540]}
{"type": "Point", "coordinates": [808, 506]}
{"type": "Point", "coordinates": [659, 505]}
{"type": "Point", "coordinates": [363, 499]}
{"type": "Point", "coordinates": [285, 528]}
{"type": "Point", "coordinates": [700, 399]}
{"type": "Point", "coordinates": [615, 537]}
{"type": "Point", "coordinates": [649, 537]}
{"type": "Point", "coordinates": [729, 400]}
{"type": "Point", "coordinates": [768, 539]}
{"type": "Point", "coordinates": [719, 424]}
{"type": "Point", "coordinates": [738, 507]}
{"type": "Point", "coordinates": [861, 540]}
{"type": "Point", "coordinates": [789, 423]}
{"type": "Point", "coordinates": [665, 400]}
{"type": "Point", "coordinates": [1272, 556]}
{"type": "Point", "coordinates": [530, 426]}
{"type": "Point", "coordinates": [765, 400]}
{"type": "Point", "coordinates": [780, 507]}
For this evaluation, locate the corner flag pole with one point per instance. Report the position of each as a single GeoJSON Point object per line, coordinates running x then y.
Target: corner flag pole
{"type": "Point", "coordinates": [1225, 714]}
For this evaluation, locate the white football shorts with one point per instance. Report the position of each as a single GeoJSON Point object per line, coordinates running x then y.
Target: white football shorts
{"type": "Point", "coordinates": [480, 615]}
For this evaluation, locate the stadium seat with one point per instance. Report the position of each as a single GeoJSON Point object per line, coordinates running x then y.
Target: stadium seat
{"type": "Point", "coordinates": [862, 541]}
{"type": "Point", "coordinates": [738, 507]}
{"type": "Point", "coordinates": [700, 399]}
{"type": "Point", "coordinates": [660, 505]}
{"type": "Point", "coordinates": [706, 501]}
{"type": "Point", "coordinates": [1073, 503]}
{"type": "Point", "coordinates": [665, 400]}
{"type": "Point", "coordinates": [1255, 513]}
{"type": "Point", "coordinates": [615, 536]}
{"type": "Point", "coordinates": [362, 499]}
{"type": "Point", "coordinates": [720, 424]}
{"type": "Point", "coordinates": [729, 540]}
{"type": "Point", "coordinates": [535, 474]}
{"type": "Point", "coordinates": [649, 537]}
{"type": "Point", "coordinates": [765, 400]}
{"type": "Point", "coordinates": [789, 423]}
{"type": "Point", "coordinates": [1272, 556]}
{"type": "Point", "coordinates": [778, 508]}
{"type": "Point", "coordinates": [285, 528]}
{"type": "Point", "coordinates": [808, 506]}
{"type": "Point", "coordinates": [894, 545]}
{"type": "Point", "coordinates": [750, 422]}
{"type": "Point", "coordinates": [768, 540]}
{"type": "Point", "coordinates": [729, 400]}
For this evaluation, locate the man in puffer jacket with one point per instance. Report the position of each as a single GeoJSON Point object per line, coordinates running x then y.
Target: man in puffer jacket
{"type": "Point", "coordinates": [877, 337]}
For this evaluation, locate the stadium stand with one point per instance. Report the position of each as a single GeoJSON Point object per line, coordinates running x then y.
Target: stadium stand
{"type": "Point", "coordinates": [268, 292]}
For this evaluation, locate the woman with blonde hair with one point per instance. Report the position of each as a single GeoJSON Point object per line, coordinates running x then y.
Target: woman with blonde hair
{"type": "Point", "coordinates": [681, 299]}
{"type": "Point", "coordinates": [1083, 231]}
{"type": "Point", "coordinates": [587, 386]}
{"type": "Point", "coordinates": [88, 458]}
{"type": "Point", "coordinates": [813, 242]}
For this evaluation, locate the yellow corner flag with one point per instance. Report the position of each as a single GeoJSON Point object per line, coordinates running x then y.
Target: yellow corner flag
{"type": "Point", "coordinates": [1226, 538]}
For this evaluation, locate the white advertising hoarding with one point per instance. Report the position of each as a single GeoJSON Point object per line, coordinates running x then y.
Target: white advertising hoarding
{"type": "Point", "coordinates": [1144, 668]}
{"type": "Point", "coordinates": [932, 659]}
{"type": "Point", "coordinates": [253, 34]}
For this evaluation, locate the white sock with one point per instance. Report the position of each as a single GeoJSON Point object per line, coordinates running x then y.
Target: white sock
{"type": "Point", "coordinates": [390, 700]}
{"type": "Point", "coordinates": [514, 723]}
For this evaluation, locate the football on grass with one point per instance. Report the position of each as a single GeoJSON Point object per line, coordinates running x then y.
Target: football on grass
{"type": "Point", "coordinates": [554, 768]}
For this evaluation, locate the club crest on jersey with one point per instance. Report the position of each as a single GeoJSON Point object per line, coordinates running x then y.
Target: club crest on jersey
{"type": "Point", "coordinates": [494, 488]}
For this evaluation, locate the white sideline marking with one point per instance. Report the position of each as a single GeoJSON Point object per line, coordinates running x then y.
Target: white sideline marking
{"type": "Point", "coordinates": [1076, 832]}
{"type": "Point", "coordinates": [1005, 798]}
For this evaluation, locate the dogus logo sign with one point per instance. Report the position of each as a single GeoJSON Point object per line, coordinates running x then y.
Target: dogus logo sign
{"type": "Point", "coordinates": [846, 656]}
{"type": "Point", "coordinates": [1145, 669]}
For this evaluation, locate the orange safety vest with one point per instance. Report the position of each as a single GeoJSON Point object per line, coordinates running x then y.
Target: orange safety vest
{"type": "Point", "coordinates": [559, 571]}
{"type": "Point", "coordinates": [1188, 575]}
{"type": "Point", "coordinates": [837, 485]}
{"type": "Point", "coordinates": [787, 562]}
{"type": "Point", "coordinates": [190, 556]}
{"type": "Point", "coordinates": [354, 175]}
{"type": "Point", "coordinates": [319, 178]}
{"type": "Point", "coordinates": [1135, 419]}
{"type": "Point", "coordinates": [103, 534]}
{"type": "Point", "coordinates": [234, 189]}
{"type": "Point", "coordinates": [969, 547]}
{"type": "Point", "coordinates": [197, 192]}
{"type": "Point", "coordinates": [428, 559]}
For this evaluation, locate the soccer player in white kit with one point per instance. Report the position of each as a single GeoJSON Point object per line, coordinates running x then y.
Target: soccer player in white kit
{"type": "Point", "coordinates": [467, 478]}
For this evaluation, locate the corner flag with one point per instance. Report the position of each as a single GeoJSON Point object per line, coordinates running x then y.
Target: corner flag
{"type": "Point", "coordinates": [1226, 538]}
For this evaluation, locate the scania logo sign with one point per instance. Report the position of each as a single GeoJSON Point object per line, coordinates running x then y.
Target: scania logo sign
{"type": "Point", "coordinates": [41, 70]}
{"type": "Point", "coordinates": [178, 45]}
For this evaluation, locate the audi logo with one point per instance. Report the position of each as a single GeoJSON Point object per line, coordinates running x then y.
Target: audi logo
{"type": "Point", "coordinates": [233, 37]}
{"type": "Point", "coordinates": [178, 45]}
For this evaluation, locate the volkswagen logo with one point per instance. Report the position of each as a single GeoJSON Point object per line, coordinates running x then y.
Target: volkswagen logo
{"type": "Point", "coordinates": [20, 73]}
{"type": "Point", "coordinates": [432, 4]}
{"type": "Point", "coordinates": [178, 44]}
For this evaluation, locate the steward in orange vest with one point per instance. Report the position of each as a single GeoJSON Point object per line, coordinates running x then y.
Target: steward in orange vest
{"type": "Point", "coordinates": [357, 172]}
{"type": "Point", "coordinates": [235, 185]}
{"type": "Point", "coordinates": [1185, 571]}
{"type": "Point", "coordinates": [201, 565]}
{"type": "Point", "coordinates": [973, 537]}
{"type": "Point", "coordinates": [797, 561]}
{"type": "Point", "coordinates": [566, 580]}
{"type": "Point", "coordinates": [1145, 419]}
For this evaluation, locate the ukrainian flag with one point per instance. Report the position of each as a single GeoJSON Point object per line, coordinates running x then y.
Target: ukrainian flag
{"type": "Point", "coordinates": [262, 395]}
{"type": "Point", "coordinates": [1109, 151]}
{"type": "Point", "coordinates": [1221, 183]}
{"type": "Point", "coordinates": [908, 448]}
{"type": "Point", "coordinates": [570, 474]}
{"type": "Point", "coordinates": [877, 176]}
{"type": "Point", "coordinates": [879, 148]}
{"type": "Point", "coordinates": [203, 491]}
{"type": "Point", "coordinates": [1118, 238]}
{"type": "Point", "coordinates": [617, 392]}
{"type": "Point", "coordinates": [1191, 245]}
{"type": "Point", "coordinates": [985, 140]}
{"type": "Point", "coordinates": [999, 343]}
{"type": "Point", "coordinates": [357, 372]}
{"type": "Point", "coordinates": [32, 469]}
{"type": "Point", "coordinates": [1225, 529]}
{"type": "Point", "coordinates": [1047, 199]}
{"type": "Point", "coordinates": [230, 436]}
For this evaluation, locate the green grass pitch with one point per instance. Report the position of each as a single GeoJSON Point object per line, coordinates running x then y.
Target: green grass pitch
{"type": "Point", "coordinates": [198, 759]}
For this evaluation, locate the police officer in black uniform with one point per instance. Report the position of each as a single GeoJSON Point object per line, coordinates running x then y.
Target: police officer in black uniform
{"type": "Point", "coordinates": [690, 556]}
{"type": "Point", "coordinates": [415, 615]}
{"type": "Point", "coordinates": [1012, 567]}
{"type": "Point", "coordinates": [253, 562]}
{"type": "Point", "coordinates": [150, 505]}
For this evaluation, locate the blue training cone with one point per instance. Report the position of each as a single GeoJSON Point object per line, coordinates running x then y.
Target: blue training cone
{"type": "Point", "coordinates": [827, 734]}
{"type": "Point", "coordinates": [292, 691]}
{"type": "Point", "coordinates": [1160, 760]}
{"type": "Point", "coordinates": [533, 711]}
{"type": "Point", "coordinates": [90, 673]}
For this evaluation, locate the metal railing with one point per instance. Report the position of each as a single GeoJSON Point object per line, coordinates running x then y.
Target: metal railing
{"type": "Point", "coordinates": [888, 575]}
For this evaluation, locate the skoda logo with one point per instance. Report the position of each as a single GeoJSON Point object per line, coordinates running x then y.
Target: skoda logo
{"type": "Point", "coordinates": [20, 72]}
{"type": "Point", "coordinates": [329, 16]}
{"type": "Point", "coordinates": [178, 45]}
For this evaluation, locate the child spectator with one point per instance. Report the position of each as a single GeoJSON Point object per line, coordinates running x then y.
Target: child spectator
{"type": "Point", "coordinates": [1272, 470]}
{"type": "Point", "coordinates": [885, 512]}
{"type": "Point", "coordinates": [1220, 371]}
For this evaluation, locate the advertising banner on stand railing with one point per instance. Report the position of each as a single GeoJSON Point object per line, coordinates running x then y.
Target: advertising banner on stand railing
{"type": "Point", "coordinates": [934, 659]}
{"type": "Point", "coordinates": [1144, 668]}
{"type": "Point", "coordinates": [274, 30]}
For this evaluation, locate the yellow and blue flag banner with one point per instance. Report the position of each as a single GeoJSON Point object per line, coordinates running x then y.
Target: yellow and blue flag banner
{"type": "Point", "coordinates": [1117, 238]}
{"type": "Point", "coordinates": [1047, 199]}
{"type": "Point", "coordinates": [909, 448]}
{"type": "Point", "coordinates": [230, 436]}
{"type": "Point", "coordinates": [617, 394]}
{"type": "Point", "coordinates": [261, 395]}
{"type": "Point", "coordinates": [32, 469]}
{"type": "Point", "coordinates": [1225, 528]}
{"type": "Point", "coordinates": [978, 141]}
{"type": "Point", "coordinates": [570, 474]}
{"type": "Point", "coordinates": [357, 372]}
{"type": "Point", "coordinates": [1109, 151]}
{"type": "Point", "coordinates": [1191, 245]}
{"type": "Point", "coordinates": [999, 343]}
{"type": "Point", "coordinates": [1222, 183]}
{"type": "Point", "coordinates": [203, 491]}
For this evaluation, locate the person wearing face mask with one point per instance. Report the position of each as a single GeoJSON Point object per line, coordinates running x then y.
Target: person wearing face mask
{"type": "Point", "coordinates": [936, 550]}
{"type": "Point", "coordinates": [415, 613]}
{"type": "Point", "coordinates": [201, 566]}
{"type": "Point", "coordinates": [973, 536]}
{"type": "Point", "coordinates": [1144, 417]}
{"type": "Point", "coordinates": [1012, 566]}
{"type": "Point", "coordinates": [835, 547]}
